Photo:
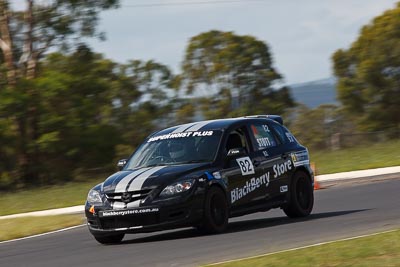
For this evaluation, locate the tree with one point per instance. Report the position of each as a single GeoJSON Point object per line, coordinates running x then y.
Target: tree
{"type": "Point", "coordinates": [73, 111]}
{"type": "Point", "coordinates": [369, 74]}
{"type": "Point", "coordinates": [25, 37]}
{"type": "Point", "coordinates": [314, 127]}
{"type": "Point", "coordinates": [143, 102]}
{"type": "Point", "coordinates": [236, 70]}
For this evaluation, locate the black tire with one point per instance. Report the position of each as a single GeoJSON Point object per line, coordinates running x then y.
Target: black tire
{"type": "Point", "coordinates": [109, 239]}
{"type": "Point", "coordinates": [301, 196]}
{"type": "Point", "coordinates": [216, 212]}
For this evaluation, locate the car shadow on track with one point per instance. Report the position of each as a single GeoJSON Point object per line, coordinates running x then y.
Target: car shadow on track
{"type": "Point", "coordinates": [238, 226]}
{"type": "Point", "coordinates": [248, 225]}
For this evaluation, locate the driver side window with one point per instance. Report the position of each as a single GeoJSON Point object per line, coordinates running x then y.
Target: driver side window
{"type": "Point", "coordinates": [236, 139]}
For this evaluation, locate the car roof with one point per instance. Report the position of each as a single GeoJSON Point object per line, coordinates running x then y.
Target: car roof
{"type": "Point", "coordinates": [219, 124]}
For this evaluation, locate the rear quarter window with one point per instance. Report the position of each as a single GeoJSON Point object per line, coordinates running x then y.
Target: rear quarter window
{"type": "Point", "coordinates": [262, 135]}
{"type": "Point", "coordinates": [284, 134]}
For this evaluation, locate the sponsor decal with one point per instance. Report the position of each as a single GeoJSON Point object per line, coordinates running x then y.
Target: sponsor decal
{"type": "Point", "coordinates": [126, 212]}
{"type": "Point", "coordinates": [263, 136]}
{"type": "Point", "coordinates": [254, 129]}
{"type": "Point", "coordinates": [265, 127]}
{"type": "Point", "coordinates": [179, 135]}
{"type": "Point", "coordinates": [126, 197]}
{"type": "Point", "coordinates": [284, 188]}
{"type": "Point", "coordinates": [265, 153]}
{"type": "Point", "coordinates": [217, 175]}
{"type": "Point", "coordinates": [290, 137]}
{"type": "Point", "coordinates": [300, 158]}
{"type": "Point", "coordinates": [246, 166]}
{"type": "Point", "coordinates": [264, 142]}
{"type": "Point", "coordinates": [280, 169]}
{"type": "Point", "coordinates": [249, 187]}
{"type": "Point", "coordinates": [209, 176]}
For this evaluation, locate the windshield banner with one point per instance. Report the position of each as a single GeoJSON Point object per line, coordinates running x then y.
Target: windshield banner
{"type": "Point", "coordinates": [180, 135]}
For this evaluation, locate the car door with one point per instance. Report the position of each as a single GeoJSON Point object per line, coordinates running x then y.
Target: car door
{"type": "Point", "coordinates": [273, 160]}
{"type": "Point", "coordinates": [292, 156]}
{"type": "Point", "coordinates": [245, 179]}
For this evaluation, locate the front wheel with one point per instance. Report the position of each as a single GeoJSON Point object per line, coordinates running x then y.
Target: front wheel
{"type": "Point", "coordinates": [109, 239]}
{"type": "Point", "coordinates": [301, 196]}
{"type": "Point", "coordinates": [215, 212]}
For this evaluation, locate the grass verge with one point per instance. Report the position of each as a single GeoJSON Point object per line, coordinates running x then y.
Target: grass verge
{"type": "Point", "coordinates": [358, 158]}
{"type": "Point", "coordinates": [378, 250]}
{"type": "Point", "coordinates": [50, 197]}
{"type": "Point", "coordinates": [21, 227]}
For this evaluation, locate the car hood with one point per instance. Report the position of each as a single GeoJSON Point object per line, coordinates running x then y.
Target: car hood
{"type": "Point", "coordinates": [150, 177]}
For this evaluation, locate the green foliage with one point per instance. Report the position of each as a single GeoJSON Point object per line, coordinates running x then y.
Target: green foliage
{"type": "Point", "coordinates": [378, 250]}
{"type": "Point", "coordinates": [358, 157]}
{"type": "Point", "coordinates": [369, 74]}
{"type": "Point", "coordinates": [89, 112]}
{"type": "Point", "coordinates": [185, 113]}
{"type": "Point", "coordinates": [141, 102]}
{"type": "Point", "coordinates": [27, 226]}
{"type": "Point", "coordinates": [43, 114]}
{"type": "Point", "coordinates": [57, 22]}
{"type": "Point", "coordinates": [237, 71]}
{"type": "Point", "coordinates": [314, 127]}
{"type": "Point", "coordinates": [77, 112]}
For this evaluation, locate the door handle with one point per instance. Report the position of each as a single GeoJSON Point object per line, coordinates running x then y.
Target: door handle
{"type": "Point", "coordinates": [284, 156]}
{"type": "Point", "coordinates": [256, 163]}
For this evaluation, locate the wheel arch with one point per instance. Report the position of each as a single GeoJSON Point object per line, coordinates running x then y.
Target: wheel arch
{"type": "Point", "coordinates": [222, 187]}
{"type": "Point", "coordinates": [306, 170]}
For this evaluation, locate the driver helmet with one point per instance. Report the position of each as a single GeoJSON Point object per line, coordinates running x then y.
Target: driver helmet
{"type": "Point", "coordinates": [176, 149]}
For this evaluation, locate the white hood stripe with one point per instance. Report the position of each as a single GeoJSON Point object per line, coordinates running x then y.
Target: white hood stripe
{"type": "Point", "coordinates": [197, 126]}
{"type": "Point", "coordinates": [183, 128]}
{"type": "Point", "coordinates": [121, 186]}
{"type": "Point", "coordinates": [137, 183]}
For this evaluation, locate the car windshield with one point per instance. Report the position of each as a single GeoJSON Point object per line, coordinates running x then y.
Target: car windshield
{"type": "Point", "coordinates": [176, 148]}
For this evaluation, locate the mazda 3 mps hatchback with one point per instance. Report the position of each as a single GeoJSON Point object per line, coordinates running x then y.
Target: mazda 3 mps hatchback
{"type": "Point", "coordinates": [200, 174]}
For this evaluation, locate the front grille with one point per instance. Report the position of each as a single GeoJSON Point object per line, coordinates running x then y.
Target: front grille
{"type": "Point", "coordinates": [129, 221]}
{"type": "Point", "coordinates": [135, 195]}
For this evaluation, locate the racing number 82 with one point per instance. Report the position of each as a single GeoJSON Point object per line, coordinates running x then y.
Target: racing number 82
{"type": "Point", "coordinates": [246, 166]}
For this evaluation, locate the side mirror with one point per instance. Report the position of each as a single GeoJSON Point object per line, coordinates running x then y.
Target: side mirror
{"type": "Point", "coordinates": [121, 164]}
{"type": "Point", "coordinates": [236, 152]}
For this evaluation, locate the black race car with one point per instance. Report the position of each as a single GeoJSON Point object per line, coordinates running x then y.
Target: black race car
{"type": "Point", "coordinates": [200, 174]}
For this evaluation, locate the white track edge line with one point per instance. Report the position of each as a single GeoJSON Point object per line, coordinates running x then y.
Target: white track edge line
{"type": "Point", "coordinates": [298, 248]}
{"type": "Point", "coordinates": [43, 234]}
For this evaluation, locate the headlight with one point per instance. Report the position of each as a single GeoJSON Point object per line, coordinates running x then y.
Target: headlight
{"type": "Point", "coordinates": [177, 188]}
{"type": "Point", "coordinates": [94, 197]}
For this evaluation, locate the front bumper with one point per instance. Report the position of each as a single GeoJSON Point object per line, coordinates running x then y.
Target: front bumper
{"type": "Point", "coordinates": [163, 215]}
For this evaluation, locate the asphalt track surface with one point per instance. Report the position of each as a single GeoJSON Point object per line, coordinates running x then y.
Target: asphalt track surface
{"type": "Point", "coordinates": [340, 212]}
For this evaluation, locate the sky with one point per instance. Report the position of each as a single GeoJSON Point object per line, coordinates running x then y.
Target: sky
{"type": "Point", "coordinates": [302, 35]}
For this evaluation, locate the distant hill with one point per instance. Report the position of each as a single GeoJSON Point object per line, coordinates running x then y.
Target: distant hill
{"type": "Point", "coordinates": [315, 93]}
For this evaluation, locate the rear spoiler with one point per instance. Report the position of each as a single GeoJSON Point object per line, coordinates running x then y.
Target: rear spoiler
{"type": "Point", "coordinates": [276, 118]}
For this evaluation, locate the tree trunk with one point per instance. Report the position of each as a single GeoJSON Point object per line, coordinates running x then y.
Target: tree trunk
{"type": "Point", "coordinates": [32, 59]}
{"type": "Point", "coordinates": [6, 44]}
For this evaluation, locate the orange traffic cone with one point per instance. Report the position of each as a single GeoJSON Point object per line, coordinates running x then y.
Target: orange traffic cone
{"type": "Point", "coordinates": [317, 186]}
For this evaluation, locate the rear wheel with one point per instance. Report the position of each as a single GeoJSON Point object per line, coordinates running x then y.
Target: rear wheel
{"type": "Point", "coordinates": [215, 212]}
{"type": "Point", "coordinates": [109, 239]}
{"type": "Point", "coordinates": [301, 196]}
